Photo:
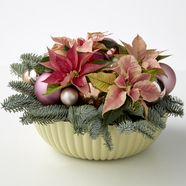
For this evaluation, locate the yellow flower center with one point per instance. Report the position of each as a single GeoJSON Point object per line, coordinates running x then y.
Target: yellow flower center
{"type": "Point", "coordinates": [74, 73]}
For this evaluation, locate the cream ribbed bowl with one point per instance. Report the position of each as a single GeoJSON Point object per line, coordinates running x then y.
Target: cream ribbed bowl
{"type": "Point", "coordinates": [61, 137]}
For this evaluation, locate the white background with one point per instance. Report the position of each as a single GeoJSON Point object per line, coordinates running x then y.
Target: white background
{"type": "Point", "coordinates": [26, 26]}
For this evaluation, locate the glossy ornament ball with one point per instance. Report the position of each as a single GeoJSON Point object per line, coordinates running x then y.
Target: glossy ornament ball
{"type": "Point", "coordinates": [168, 80]}
{"type": "Point", "coordinates": [40, 88]}
{"type": "Point", "coordinates": [69, 96]}
{"type": "Point", "coordinates": [29, 76]}
{"type": "Point", "coordinates": [160, 88]}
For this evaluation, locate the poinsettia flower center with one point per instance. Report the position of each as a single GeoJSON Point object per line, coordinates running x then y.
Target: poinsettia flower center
{"type": "Point", "coordinates": [74, 73]}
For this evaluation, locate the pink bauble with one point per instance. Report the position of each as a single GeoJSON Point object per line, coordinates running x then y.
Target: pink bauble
{"type": "Point", "coordinates": [168, 80]}
{"type": "Point", "coordinates": [40, 88]}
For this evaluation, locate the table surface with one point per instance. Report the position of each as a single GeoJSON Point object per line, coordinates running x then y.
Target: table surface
{"type": "Point", "coordinates": [25, 159]}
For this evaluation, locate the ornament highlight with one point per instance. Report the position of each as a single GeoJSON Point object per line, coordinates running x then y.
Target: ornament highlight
{"type": "Point", "coordinates": [40, 89]}
{"type": "Point", "coordinates": [69, 96]}
{"type": "Point", "coordinates": [30, 76]}
{"type": "Point", "coordinates": [160, 88]}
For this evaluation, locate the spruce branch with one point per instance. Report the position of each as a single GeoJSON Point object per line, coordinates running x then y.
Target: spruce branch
{"type": "Point", "coordinates": [157, 118]}
{"type": "Point", "coordinates": [18, 69]}
{"type": "Point", "coordinates": [30, 59]}
{"type": "Point", "coordinates": [28, 118]}
{"type": "Point", "coordinates": [18, 103]}
{"type": "Point", "coordinates": [107, 137]}
{"type": "Point", "coordinates": [85, 118]}
{"type": "Point", "coordinates": [173, 106]}
{"type": "Point", "coordinates": [22, 87]}
{"type": "Point", "coordinates": [50, 112]}
{"type": "Point", "coordinates": [159, 111]}
{"type": "Point", "coordinates": [142, 126]}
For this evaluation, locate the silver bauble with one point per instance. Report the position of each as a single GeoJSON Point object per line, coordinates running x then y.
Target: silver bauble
{"type": "Point", "coordinates": [69, 96]}
{"type": "Point", "coordinates": [29, 76]}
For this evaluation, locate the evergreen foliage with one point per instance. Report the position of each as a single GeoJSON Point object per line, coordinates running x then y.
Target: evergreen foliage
{"type": "Point", "coordinates": [85, 119]}
{"type": "Point", "coordinates": [18, 103]}
{"type": "Point", "coordinates": [142, 126]}
{"type": "Point", "coordinates": [30, 117]}
{"type": "Point", "coordinates": [31, 59]}
{"type": "Point", "coordinates": [28, 61]}
{"type": "Point", "coordinates": [45, 114]}
{"type": "Point", "coordinates": [107, 137]}
{"type": "Point", "coordinates": [22, 87]}
{"type": "Point", "coordinates": [18, 69]}
{"type": "Point", "coordinates": [168, 105]}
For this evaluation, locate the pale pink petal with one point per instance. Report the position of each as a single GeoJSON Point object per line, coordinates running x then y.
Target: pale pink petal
{"type": "Point", "coordinates": [120, 81]}
{"type": "Point", "coordinates": [150, 63]}
{"type": "Point", "coordinates": [148, 91]}
{"type": "Point", "coordinates": [115, 98]}
{"type": "Point", "coordinates": [97, 36]}
{"type": "Point", "coordinates": [129, 63]}
{"type": "Point", "coordinates": [129, 48]}
{"type": "Point", "coordinates": [140, 77]}
{"type": "Point", "coordinates": [139, 47]}
{"type": "Point", "coordinates": [81, 84]}
{"type": "Point", "coordinates": [64, 41]}
{"type": "Point", "coordinates": [151, 54]}
{"type": "Point", "coordinates": [134, 94]}
{"type": "Point", "coordinates": [59, 49]}
{"type": "Point", "coordinates": [86, 46]}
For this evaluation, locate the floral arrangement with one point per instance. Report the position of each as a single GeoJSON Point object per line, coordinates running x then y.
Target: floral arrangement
{"type": "Point", "coordinates": [94, 83]}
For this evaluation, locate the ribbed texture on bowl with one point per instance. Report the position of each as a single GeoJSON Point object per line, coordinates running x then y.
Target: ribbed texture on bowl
{"type": "Point", "coordinates": [60, 136]}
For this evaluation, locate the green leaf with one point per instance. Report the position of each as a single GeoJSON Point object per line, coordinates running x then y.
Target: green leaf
{"type": "Point", "coordinates": [45, 58]}
{"type": "Point", "coordinates": [135, 109]}
{"type": "Point", "coordinates": [113, 115]}
{"type": "Point", "coordinates": [40, 69]}
{"type": "Point", "coordinates": [122, 49]}
{"type": "Point", "coordinates": [51, 88]}
{"type": "Point", "coordinates": [102, 80]}
{"type": "Point", "coordinates": [154, 72]}
{"type": "Point", "coordinates": [101, 62]}
{"type": "Point", "coordinates": [160, 57]}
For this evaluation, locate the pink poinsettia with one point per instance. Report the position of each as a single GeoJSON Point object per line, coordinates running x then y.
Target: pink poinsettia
{"type": "Point", "coordinates": [147, 58]}
{"type": "Point", "coordinates": [71, 69]}
{"type": "Point", "coordinates": [130, 82]}
{"type": "Point", "coordinates": [97, 36]}
{"type": "Point", "coordinates": [83, 45]}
